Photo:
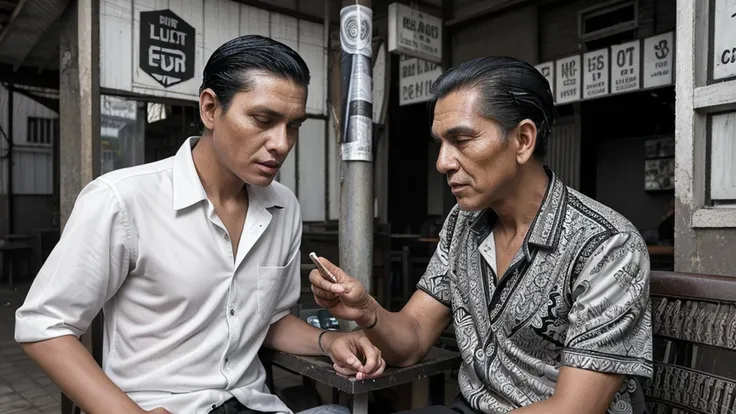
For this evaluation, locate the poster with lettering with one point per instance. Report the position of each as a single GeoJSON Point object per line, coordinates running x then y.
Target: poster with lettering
{"type": "Point", "coordinates": [547, 69]}
{"type": "Point", "coordinates": [595, 74]}
{"type": "Point", "coordinates": [659, 60]}
{"type": "Point", "coordinates": [416, 77]}
{"type": "Point", "coordinates": [166, 47]}
{"type": "Point", "coordinates": [568, 77]}
{"type": "Point", "coordinates": [724, 39]}
{"type": "Point", "coordinates": [626, 67]}
{"type": "Point", "coordinates": [414, 33]}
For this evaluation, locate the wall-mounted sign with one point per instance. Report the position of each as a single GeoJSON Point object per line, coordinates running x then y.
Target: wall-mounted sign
{"type": "Point", "coordinates": [659, 60]}
{"type": "Point", "coordinates": [568, 76]}
{"type": "Point", "coordinates": [166, 47]}
{"type": "Point", "coordinates": [413, 33]}
{"type": "Point", "coordinates": [724, 39]}
{"type": "Point", "coordinates": [547, 69]}
{"type": "Point", "coordinates": [416, 77]}
{"type": "Point", "coordinates": [595, 74]}
{"type": "Point", "coordinates": [114, 107]}
{"type": "Point", "coordinates": [625, 67]}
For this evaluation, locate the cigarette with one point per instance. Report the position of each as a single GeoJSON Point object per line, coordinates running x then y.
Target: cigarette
{"type": "Point", "coordinates": [322, 269]}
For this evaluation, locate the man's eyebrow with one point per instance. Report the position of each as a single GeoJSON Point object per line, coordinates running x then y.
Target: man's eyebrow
{"type": "Point", "coordinates": [455, 131]}
{"type": "Point", "coordinates": [267, 111]}
{"type": "Point", "coordinates": [274, 114]}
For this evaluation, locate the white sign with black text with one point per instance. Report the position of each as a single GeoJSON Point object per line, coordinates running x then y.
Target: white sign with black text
{"type": "Point", "coordinates": [547, 69]}
{"type": "Point", "coordinates": [414, 33]}
{"type": "Point", "coordinates": [415, 79]}
{"type": "Point", "coordinates": [568, 76]}
{"type": "Point", "coordinates": [659, 60]}
{"type": "Point", "coordinates": [724, 39]}
{"type": "Point", "coordinates": [626, 67]}
{"type": "Point", "coordinates": [595, 74]}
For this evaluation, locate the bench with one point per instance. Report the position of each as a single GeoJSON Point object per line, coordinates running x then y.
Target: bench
{"type": "Point", "coordinates": [694, 327]}
{"type": "Point", "coordinates": [433, 366]}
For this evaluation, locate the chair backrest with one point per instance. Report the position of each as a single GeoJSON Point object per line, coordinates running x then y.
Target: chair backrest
{"type": "Point", "coordinates": [694, 327]}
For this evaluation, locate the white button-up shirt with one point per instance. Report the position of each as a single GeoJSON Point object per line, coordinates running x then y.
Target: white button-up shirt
{"type": "Point", "coordinates": [183, 318]}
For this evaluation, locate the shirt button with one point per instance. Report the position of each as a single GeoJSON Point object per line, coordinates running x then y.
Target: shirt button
{"type": "Point", "coordinates": [226, 359]}
{"type": "Point", "coordinates": [226, 236]}
{"type": "Point", "coordinates": [232, 312]}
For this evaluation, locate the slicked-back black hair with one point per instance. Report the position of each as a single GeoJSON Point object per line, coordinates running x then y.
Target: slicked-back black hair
{"type": "Point", "coordinates": [229, 69]}
{"type": "Point", "coordinates": [510, 91]}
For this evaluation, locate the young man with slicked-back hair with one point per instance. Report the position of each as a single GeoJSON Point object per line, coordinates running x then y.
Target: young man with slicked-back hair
{"type": "Point", "coordinates": [194, 260]}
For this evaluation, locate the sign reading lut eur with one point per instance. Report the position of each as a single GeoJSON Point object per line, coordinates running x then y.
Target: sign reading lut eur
{"type": "Point", "coordinates": [625, 67]}
{"type": "Point", "coordinates": [724, 39]}
{"type": "Point", "coordinates": [658, 60]}
{"type": "Point", "coordinates": [416, 79]}
{"type": "Point", "coordinates": [166, 47]}
{"type": "Point", "coordinates": [413, 33]}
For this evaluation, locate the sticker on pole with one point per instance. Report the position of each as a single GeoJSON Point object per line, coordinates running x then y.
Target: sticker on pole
{"type": "Point", "coordinates": [356, 29]}
{"type": "Point", "coordinates": [357, 83]}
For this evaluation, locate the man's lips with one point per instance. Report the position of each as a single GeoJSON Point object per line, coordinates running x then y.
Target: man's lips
{"type": "Point", "coordinates": [269, 167]}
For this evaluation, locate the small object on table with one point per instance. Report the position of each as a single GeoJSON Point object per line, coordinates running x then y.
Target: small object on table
{"type": "Point", "coordinates": [433, 366]}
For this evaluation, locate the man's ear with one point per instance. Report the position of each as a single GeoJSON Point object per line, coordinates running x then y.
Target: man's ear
{"type": "Point", "coordinates": [208, 106]}
{"type": "Point", "coordinates": [527, 139]}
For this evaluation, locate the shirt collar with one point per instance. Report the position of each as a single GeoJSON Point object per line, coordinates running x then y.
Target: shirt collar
{"type": "Point", "coordinates": [547, 225]}
{"type": "Point", "coordinates": [188, 189]}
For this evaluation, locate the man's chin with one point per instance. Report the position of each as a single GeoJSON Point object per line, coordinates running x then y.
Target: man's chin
{"type": "Point", "coordinates": [469, 204]}
{"type": "Point", "coordinates": [259, 180]}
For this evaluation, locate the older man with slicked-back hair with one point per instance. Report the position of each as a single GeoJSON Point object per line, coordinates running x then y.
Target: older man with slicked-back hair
{"type": "Point", "coordinates": [548, 290]}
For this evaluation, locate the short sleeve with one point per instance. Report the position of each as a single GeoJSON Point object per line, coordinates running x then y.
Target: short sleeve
{"type": "Point", "coordinates": [610, 326]}
{"type": "Point", "coordinates": [85, 269]}
{"type": "Point", "coordinates": [291, 289]}
{"type": "Point", "coordinates": [434, 282]}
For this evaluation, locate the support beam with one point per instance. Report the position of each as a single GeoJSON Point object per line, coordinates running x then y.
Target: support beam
{"type": "Point", "coordinates": [79, 97]}
{"type": "Point", "coordinates": [11, 141]}
{"type": "Point", "coordinates": [79, 117]}
{"type": "Point", "coordinates": [356, 88]}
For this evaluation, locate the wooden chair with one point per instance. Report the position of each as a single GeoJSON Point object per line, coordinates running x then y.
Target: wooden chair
{"type": "Point", "coordinates": [694, 327]}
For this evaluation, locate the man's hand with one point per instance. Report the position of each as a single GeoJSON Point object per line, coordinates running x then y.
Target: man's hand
{"type": "Point", "coordinates": [159, 410]}
{"type": "Point", "coordinates": [354, 355]}
{"type": "Point", "coordinates": [347, 299]}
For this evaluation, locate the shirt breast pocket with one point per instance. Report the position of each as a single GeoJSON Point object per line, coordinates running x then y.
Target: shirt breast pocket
{"type": "Point", "coordinates": [271, 280]}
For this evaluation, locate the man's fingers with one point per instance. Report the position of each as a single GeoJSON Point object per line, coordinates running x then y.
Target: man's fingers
{"type": "Point", "coordinates": [323, 294]}
{"type": "Point", "coordinates": [378, 372]}
{"type": "Point", "coordinates": [371, 353]}
{"type": "Point", "coordinates": [343, 370]}
{"type": "Point", "coordinates": [316, 279]}
{"type": "Point", "coordinates": [339, 274]}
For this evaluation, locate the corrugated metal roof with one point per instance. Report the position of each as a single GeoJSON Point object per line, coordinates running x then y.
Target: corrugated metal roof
{"type": "Point", "coordinates": [32, 34]}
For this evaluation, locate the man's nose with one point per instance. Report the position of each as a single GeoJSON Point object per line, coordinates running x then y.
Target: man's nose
{"type": "Point", "coordinates": [446, 160]}
{"type": "Point", "coordinates": [279, 141]}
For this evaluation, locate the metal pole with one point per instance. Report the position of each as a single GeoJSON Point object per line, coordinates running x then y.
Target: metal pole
{"type": "Point", "coordinates": [11, 141]}
{"type": "Point", "coordinates": [356, 88]}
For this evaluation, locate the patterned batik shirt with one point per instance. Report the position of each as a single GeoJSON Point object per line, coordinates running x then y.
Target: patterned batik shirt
{"type": "Point", "coordinates": [576, 294]}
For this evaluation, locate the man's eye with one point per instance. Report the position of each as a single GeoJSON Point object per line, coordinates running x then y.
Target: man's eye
{"type": "Point", "coordinates": [263, 119]}
{"type": "Point", "coordinates": [295, 126]}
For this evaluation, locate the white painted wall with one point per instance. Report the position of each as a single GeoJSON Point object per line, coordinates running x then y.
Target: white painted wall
{"type": "Point", "coordinates": [705, 232]}
{"type": "Point", "coordinates": [32, 163]}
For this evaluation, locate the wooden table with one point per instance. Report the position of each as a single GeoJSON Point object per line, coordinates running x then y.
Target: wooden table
{"type": "Point", "coordinates": [12, 254]}
{"type": "Point", "coordinates": [433, 366]}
